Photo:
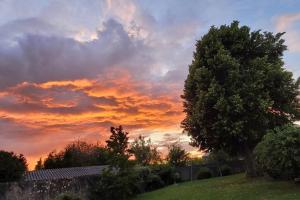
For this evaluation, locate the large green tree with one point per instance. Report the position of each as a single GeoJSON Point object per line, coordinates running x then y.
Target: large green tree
{"type": "Point", "coordinates": [237, 88]}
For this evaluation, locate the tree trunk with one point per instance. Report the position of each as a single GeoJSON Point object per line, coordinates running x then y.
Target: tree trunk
{"type": "Point", "coordinates": [250, 163]}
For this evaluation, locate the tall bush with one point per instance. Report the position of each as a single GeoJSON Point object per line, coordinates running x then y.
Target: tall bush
{"type": "Point", "coordinates": [278, 154]}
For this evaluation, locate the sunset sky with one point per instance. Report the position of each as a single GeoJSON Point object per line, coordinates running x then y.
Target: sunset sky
{"type": "Point", "coordinates": [71, 69]}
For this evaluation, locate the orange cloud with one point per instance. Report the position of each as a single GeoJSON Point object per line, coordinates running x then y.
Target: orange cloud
{"type": "Point", "coordinates": [56, 112]}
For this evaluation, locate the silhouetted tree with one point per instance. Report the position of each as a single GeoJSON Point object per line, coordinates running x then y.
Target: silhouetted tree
{"type": "Point", "coordinates": [118, 141]}
{"type": "Point", "coordinates": [177, 156]}
{"type": "Point", "coordinates": [117, 144]}
{"type": "Point", "coordinates": [237, 88]}
{"type": "Point", "coordinates": [78, 154]}
{"type": "Point", "coordinates": [12, 166]}
{"type": "Point", "coordinates": [39, 164]}
{"type": "Point", "coordinates": [144, 152]}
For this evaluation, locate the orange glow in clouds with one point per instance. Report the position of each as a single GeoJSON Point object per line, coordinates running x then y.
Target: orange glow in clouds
{"type": "Point", "coordinates": [49, 115]}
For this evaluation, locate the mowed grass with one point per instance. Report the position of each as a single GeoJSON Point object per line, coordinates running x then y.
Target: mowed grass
{"type": "Point", "coordinates": [235, 187]}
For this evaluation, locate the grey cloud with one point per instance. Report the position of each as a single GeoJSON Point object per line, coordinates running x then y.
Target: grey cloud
{"type": "Point", "coordinates": [11, 31]}
{"type": "Point", "coordinates": [39, 58]}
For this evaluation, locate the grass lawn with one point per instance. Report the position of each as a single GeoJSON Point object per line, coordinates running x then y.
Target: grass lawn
{"type": "Point", "coordinates": [233, 187]}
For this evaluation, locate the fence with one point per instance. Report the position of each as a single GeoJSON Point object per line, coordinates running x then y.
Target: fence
{"type": "Point", "coordinates": [188, 173]}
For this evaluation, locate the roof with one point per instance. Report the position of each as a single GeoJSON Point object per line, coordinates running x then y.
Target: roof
{"type": "Point", "coordinates": [63, 173]}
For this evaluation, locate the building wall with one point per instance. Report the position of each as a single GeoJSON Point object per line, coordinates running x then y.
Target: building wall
{"type": "Point", "coordinates": [45, 190]}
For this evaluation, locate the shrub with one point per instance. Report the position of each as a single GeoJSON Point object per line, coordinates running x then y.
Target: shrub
{"type": "Point", "coordinates": [226, 170]}
{"type": "Point", "coordinates": [204, 172]}
{"type": "Point", "coordinates": [166, 173]}
{"type": "Point", "coordinates": [278, 154]}
{"type": "Point", "coordinates": [153, 182]}
{"type": "Point", "coordinates": [12, 166]}
{"type": "Point", "coordinates": [115, 185]}
{"type": "Point", "coordinates": [142, 171]}
{"type": "Point", "coordinates": [142, 174]}
{"type": "Point", "coordinates": [148, 180]}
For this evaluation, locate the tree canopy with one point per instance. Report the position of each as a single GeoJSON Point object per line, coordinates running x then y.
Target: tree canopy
{"type": "Point", "coordinates": [237, 88]}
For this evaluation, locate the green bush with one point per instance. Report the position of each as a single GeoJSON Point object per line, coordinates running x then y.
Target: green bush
{"type": "Point", "coordinates": [278, 154]}
{"type": "Point", "coordinates": [148, 180]}
{"type": "Point", "coordinates": [125, 184]}
{"type": "Point", "coordinates": [154, 182]}
{"type": "Point", "coordinates": [226, 170]}
{"type": "Point", "coordinates": [166, 172]}
{"type": "Point", "coordinates": [204, 172]}
{"type": "Point", "coordinates": [115, 185]}
{"type": "Point", "coordinates": [143, 171]}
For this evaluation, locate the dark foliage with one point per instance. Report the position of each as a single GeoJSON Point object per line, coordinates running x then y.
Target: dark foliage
{"type": "Point", "coordinates": [204, 173]}
{"type": "Point", "coordinates": [217, 158]}
{"type": "Point", "coordinates": [12, 166]}
{"type": "Point", "coordinates": [39, 164]}
{"type": "Point", "coordinates": [117, 144]}
{"type": "Point", "coordinates": [221, 161]}
{"type": "Point", "coordinates": [81, 153]}
{"type": "Point", "coordinates": [118, 141]}
{"type": "Point", "coordinates": [177, 156]}
{"type": "Point", "coordinates": [77, 154]}
{"type": "Point", "coordinates": [225, 170]}
{"type": "Point", "coordinates": [166, 172]}
{"type": "Point", "coordinates": [144, 151]}
{"type": "Point", "coordinates": [115, 185]}
{"type": "Point", "coordinates": [125, 183]}
{"type": "Point", "coordinates": [67, 197]}
{"type": "Point", "coordinates": [148, 179]}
